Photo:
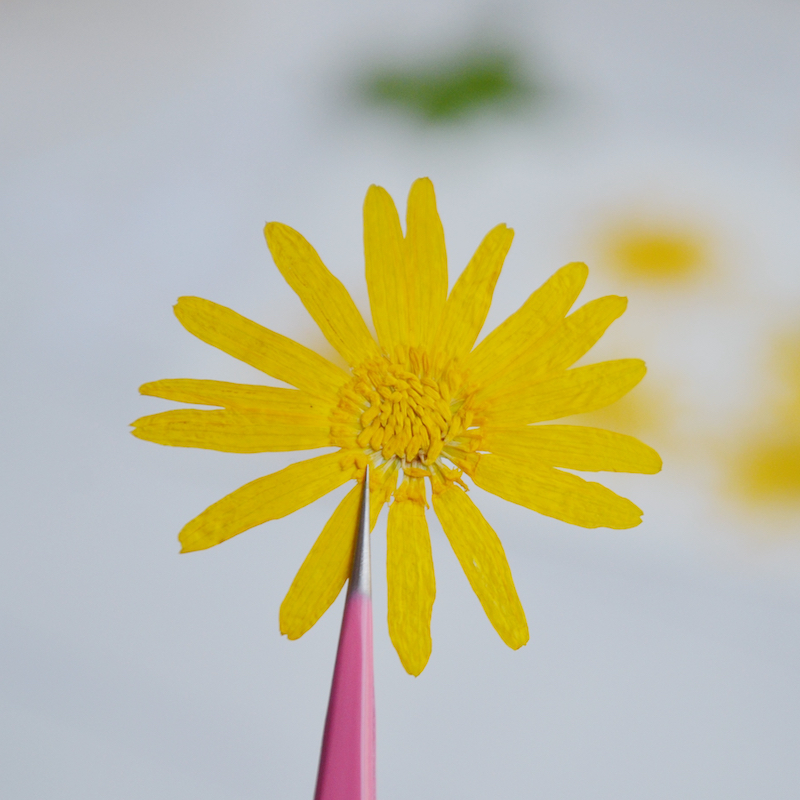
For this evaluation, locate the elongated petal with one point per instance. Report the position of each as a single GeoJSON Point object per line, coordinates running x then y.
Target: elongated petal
{"type": "Point", "coordinates": [555, 494]}
{"type": "Point", "coordinates": [411, 584]}
{"type": "Point", "coordinates": [260, 347]}
{"type": "Point", "coordinates": [271, 497]}
{"type": "Point", "coordinates": [382, 483]}
{"type": "Point", "coordinates": [574, 391]}
{"type": "Point", "coordinates": [562, 346]}
{"type": "Point", "coordinates": [324, 571]}
{"type": "Point", "coordinates": [572, 447]}
{"type": "Point", "coordinates": [468, 304]}
{"type": "Point", "coordinates": [544, 309]}
{"type": "Point", "coordinates": [484, 562]}
{"type": "Point", "coordinates": [327, 566]}
{"type": "Point", "coordinates": [387, 272]}
{"type": "Point", "coordinates": [427, 263]}
{"type": "Point", "coordinates": [325, 297]}
{"type": "Point", "coordinates": [235, 431]}
{"type": "Point", "coordinates": [579, 332]}
{"type": "Point", "coordinates": [239, 396]}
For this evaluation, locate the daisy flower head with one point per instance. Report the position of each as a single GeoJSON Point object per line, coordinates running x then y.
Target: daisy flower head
{"type": "Point", "coordinates": [424, 408]}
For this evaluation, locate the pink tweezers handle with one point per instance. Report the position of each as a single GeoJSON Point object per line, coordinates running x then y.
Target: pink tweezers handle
{"type": "Point", "coordinates": [347, 761]}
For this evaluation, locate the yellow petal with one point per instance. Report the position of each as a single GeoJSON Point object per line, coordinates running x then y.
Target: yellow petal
{"type": "Point", "coordinates": [562, 346]}
{"type": "Point", "coordinates": [261, 348]}
{"type": "Point", "coordinates": [427, 263]}
{"type": "Point", "coordinates": [544, 309]}
{"type": "Point", "coordinates": [468, 303]}
{"type": "Point", "coordinates": [574, 391]}
{"type": "Point", "coordinates": [555, 494]}
{"type": "Point", "coordinates": [327, 566]}
{"type": "Point", "coordinates": [579, 332]}
{"type": "Point", "coordinates": [264, 499]}
{"type": "Point", "coordinates": [572, 447]}
{"type": "Point", "coordinates": [325, 297]}
{"type": "Point", "coordinates": [382, 483]}
{"type": "Point", "coordinates": [235, 431]}
{"type": "Point", "coordinates": [387, 278]}
{"type": "Point", "coordinates": [411, 585]}
{"type": "Point", "coordinates": [324, 571]}
{"type": "Point", "coordinates": [238, 396]}
{"type": "Point", "coordinates": [484, 562]}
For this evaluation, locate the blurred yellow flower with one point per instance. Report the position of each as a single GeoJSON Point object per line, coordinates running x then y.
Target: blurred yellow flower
{"type": "Point", "coordinates": [422, 404]}
{"type": "Point", "coordinates": [656, 252]}
{"type": "Point", "coordinates": [767, 464]}
{"type": "Point", "coordinates": [769, 470]}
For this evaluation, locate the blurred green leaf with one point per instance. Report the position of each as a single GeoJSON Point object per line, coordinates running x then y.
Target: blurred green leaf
{"type": "Point", "coordinates": [453, 89]}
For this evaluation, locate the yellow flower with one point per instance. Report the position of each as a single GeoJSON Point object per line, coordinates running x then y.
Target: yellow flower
{"type": "Point", "coordinates": [422, 404]}
{"type": "Point", "coordinates": [766, 462]}
{"type": "Point", "coordinates": [657, 252]}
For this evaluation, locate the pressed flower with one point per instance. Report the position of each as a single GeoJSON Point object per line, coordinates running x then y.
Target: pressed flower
{"type": "Point", "coordinates": [423, 407]}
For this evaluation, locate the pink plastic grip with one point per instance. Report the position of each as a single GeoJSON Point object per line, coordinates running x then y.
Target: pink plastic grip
{"type": "Point", "coordinates": [347, 762]}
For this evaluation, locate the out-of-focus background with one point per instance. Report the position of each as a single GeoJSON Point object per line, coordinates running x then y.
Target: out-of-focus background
{"type": "Point", "coordinates": [142, 147]}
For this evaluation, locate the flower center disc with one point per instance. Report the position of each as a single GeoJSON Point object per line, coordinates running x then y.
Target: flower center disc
{"type": "Point", "coordinates": [407, 408]}
{"type": "Point", "coordinates": [408, 417]}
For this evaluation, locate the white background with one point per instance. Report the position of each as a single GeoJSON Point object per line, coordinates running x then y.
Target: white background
{"type": "Point", "coordinates": [143, 146]}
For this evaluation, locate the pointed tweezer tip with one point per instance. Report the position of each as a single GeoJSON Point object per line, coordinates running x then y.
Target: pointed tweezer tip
{"type": "Point", "coordinates": [360, 574]}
